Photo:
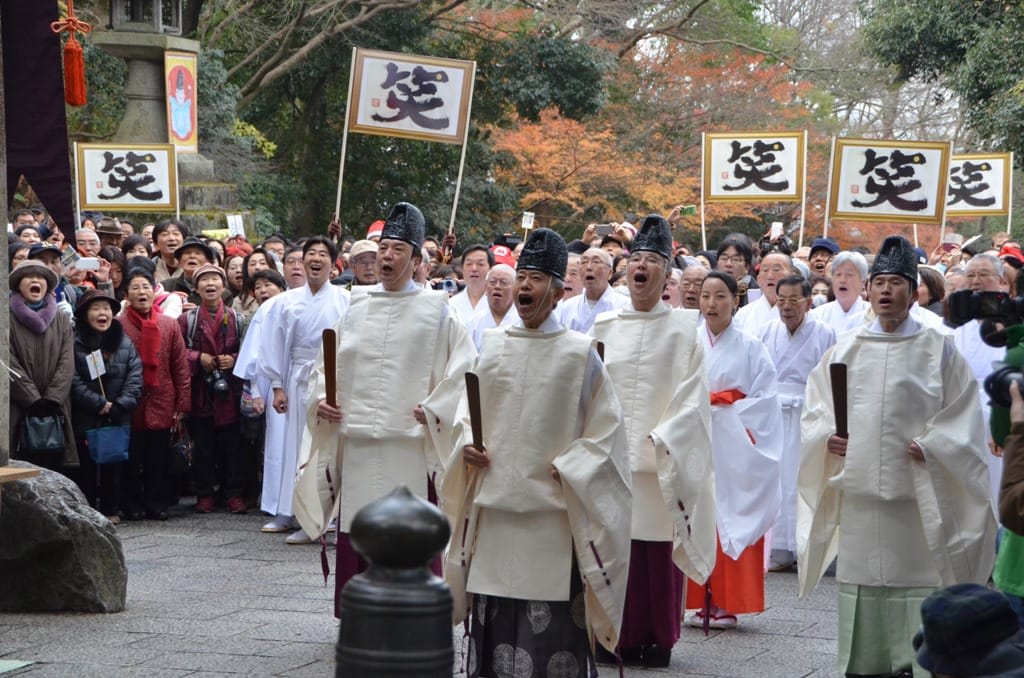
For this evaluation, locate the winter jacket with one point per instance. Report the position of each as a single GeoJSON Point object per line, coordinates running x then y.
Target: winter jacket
{"type": "Point", "coordinates": [122, 381]}
{"type": "Point", "coordinates": [158, 405]}
{"type": "Point", "coordinates": [42, 366]}
{"type": "Point", "coordinates": [226, 340]}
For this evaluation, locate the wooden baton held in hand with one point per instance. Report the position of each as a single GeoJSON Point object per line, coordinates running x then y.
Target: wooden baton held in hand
{"type": "Point", "coordinates": [473, 397]}
{"type": "Point", "coordinates": [839, 398]}
{"type": "Point", "coordinates": [330, 340]}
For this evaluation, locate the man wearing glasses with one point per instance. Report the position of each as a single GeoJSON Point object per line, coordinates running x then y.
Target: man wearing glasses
{"type": "Point", "coordinates": [498, 311]}
{"type": "Point", "coordinates": [796, 342]}
{"type": "Point", "coordinates": [755, 316]}
{"type": "Point", "coordinates": [598, 296]}
{"type": "Point", "coordinates": [656, 364]}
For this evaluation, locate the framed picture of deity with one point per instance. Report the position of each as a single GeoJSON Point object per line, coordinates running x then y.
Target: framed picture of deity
{"type": "Point", "coordinates": [404, 95]}
{"type": "Point", "coordinates": [754, 166]}
{"type": "Point", "coordinates": [181, 77]}
{"type": "Point", "coordinates": [897, 181]}
{"type": "Point", "coordinates": [979, 184]}
{"type": "Point", "coordinates": [126, 177]}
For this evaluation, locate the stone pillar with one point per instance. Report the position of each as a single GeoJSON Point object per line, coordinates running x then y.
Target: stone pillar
{"type": "Point", "coordinates": [5, 330]}
{"type": "Point", "coordinates": [396, 617]}
{"type": "Point", "coordinates": [145, 117]}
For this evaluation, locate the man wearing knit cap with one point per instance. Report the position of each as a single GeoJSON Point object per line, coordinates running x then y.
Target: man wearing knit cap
{"type": "Point", "coordinates": [401, 360]}
{"type": "Point", "coordinates": [543, 504]}
{"type": "Point", "coordinates": [902, 497]}
{"type": "Point", "coordinates": [656, 363]}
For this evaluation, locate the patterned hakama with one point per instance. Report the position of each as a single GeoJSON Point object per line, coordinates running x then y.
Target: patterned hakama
{"type": "Point", "coordinates": [511, 638]}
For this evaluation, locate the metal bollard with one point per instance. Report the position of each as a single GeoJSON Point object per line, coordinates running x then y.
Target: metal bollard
{"type": "Point", "coordinates": [396, 617]}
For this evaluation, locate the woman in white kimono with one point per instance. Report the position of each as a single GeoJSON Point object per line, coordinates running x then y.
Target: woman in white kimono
{"type": "Point", "coordinates": [746, 435]}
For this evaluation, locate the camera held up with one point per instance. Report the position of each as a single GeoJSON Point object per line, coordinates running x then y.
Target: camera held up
{"type": "Point", "coordinates": [997, 313]}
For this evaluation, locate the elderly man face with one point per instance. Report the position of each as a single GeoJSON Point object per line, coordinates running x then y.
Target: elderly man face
{"type": "Point", "coordinates": [596, 270]}
{"type": "Point", "coordinates": [774, 268]}
{"type": "Point", "coordinates": [982, 276]}
{"type": "Point", "coordinates": [846, 284]}
{"type": "Point", "coordinates": [673, 294]}
{"type": "Point", "coordinates": [573, 282]}
{"type": "Point", "coordinates": [499, 290]}
{"type": "Point", "coordinates": [88, 242]}
{"type": "Point", "coordinates": [690, 284]}
{"type": "Point", "coordinates": [364, 267]}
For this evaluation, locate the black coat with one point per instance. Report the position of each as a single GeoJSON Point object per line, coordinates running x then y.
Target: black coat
{"type": "Point", "coordinates": [122, 381]}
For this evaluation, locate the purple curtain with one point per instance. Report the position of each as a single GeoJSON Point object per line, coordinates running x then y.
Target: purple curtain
{"type": "Point", "coordinates": [37, 126]}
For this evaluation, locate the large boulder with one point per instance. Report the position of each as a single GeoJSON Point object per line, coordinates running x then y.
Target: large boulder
{"type": "Point", "coordinates": [56, 551]}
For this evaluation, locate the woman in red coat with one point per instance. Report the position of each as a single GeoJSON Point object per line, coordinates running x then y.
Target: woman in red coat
{"type": "Point", "coordinates": [165, 397]}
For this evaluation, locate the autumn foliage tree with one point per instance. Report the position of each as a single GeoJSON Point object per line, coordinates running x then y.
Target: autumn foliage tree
{"type": "Point", "coordinates": [642, 152]}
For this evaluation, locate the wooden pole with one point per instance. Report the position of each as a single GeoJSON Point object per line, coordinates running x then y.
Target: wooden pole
{"type": "Point", "coordinates": [465, 143]}
{"type": "Point", "coordinates": [703, 224]}
{"type": "Point", "coordinates": [828, 192]}
{"type": "Point", "coordinates": [344, 133]}
{"type": "Point", "coordinates": [803, 198]}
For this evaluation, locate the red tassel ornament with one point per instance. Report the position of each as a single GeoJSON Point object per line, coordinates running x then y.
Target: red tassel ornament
{"type": "Point", "coordinates": [74, 59]}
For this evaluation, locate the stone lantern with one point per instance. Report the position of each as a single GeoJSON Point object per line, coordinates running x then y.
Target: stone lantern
{"type": "Point", "coordinates": [140, 32]}
{"type": "Point", "coordinates": [146, 16]}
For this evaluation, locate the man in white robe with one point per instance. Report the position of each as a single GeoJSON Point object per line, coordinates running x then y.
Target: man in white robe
{"type": "Point", "coordinates": [904, 501]}
{"type": "Point", "coordinates": [499, 310]}
{"type": "Point", "coordinates": [847, 312]}
{"type": "Point", "coordinates": [756, 315]}
{"type": "Point", "coordinates": [544, 504]}
{"type": "Point", "coordinates": [400, 366]}
{"type": "Point", "coordinates": [656, 361]}
{"type": "Point", "coordinates": [292, 336]}
{"type": "Point", "coordinates": [796, 343]}
{"type": "Point", "coordinates": [476, 261]}
{"type": "Point", "coordinates": [984, 274]}
{"type": "Point", "coordinates": [580, 312]}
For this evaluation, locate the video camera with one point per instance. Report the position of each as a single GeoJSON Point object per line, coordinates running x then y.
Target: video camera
{"type": "Point", "coordinates": [995, 311]}
{"type": "Point", "coordinates": [781, 244]}
{"type": "Point", "coordinates": [998, 307]}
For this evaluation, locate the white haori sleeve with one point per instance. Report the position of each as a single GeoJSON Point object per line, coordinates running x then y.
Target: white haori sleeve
{"type": "Point", "coordinates": [454, 355]}
{"type": "Point", "coordinates": [682, 446]}
{"type": "Point", "coordinates": [819, 479]}
{"type": "Point", "coordinates": [316, 498]}
{"type": "Point", "coordinates": [595, 477]}
{"type": "Point", "coordinates": [952, 485]}
{"type": "Point", "coordinates": [252, 344]}
{"type": "Point", "coordinates": [274, 359]}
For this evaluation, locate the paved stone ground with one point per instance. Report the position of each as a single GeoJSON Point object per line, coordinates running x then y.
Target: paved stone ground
{"type": "Point", "coordinates": [211, 595]}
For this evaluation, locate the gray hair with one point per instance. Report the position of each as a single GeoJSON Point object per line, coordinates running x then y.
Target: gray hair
{"type": "Point", "coordinates": [801, 267]}
{"type": "Point", "coordinates": [855, 258]}
{"type": "Point", "coordinates": [997, 263]}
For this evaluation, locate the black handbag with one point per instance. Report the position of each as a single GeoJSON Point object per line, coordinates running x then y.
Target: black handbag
{"type": "Point", "coordinates": [180, 452]}
{"type": "Point", "coordinates": [42, 430]}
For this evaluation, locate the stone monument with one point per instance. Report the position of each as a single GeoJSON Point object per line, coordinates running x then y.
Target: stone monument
{"type": "Point", "coordinates": [141, 31]}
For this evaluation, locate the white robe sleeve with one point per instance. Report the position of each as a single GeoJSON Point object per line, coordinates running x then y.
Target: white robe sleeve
{"type": "Point", "coordinates": [952, 485]}
{"type": "Point", "coordinates": [275, 351]}
{"type": "Point", "coordinates": [819, 497]}
{"type": "Point", "coordinates": [455, 355]}
{"type": "Point", "coordinates": [595, 476]}
{"type": "Point", "coordinates": [682, 445]}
